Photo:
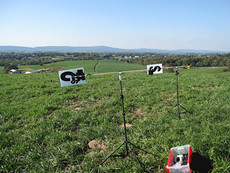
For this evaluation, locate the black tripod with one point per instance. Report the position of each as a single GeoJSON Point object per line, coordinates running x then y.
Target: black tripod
{"type": "Point", "coordinates": [178, 104]}
{"type": "Point", "coordinates": [126, 142]}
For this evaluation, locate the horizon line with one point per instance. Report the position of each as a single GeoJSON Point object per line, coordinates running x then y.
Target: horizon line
{"type": "Point", "coordinates": [121, 48]}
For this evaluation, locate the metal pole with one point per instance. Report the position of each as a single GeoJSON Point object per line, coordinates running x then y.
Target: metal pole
{"type": "Point", "coordinates": [178, 112]}
{"type": "Point", "coordinates": [123, 113]}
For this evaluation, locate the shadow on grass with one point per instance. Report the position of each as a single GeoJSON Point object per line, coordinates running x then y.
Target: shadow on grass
{"type": "Point", "coordinates": [200, 164]}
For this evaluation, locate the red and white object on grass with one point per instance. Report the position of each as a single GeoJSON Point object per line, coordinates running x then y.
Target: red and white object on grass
{"type": "Point", "coordinates": [179, 159]}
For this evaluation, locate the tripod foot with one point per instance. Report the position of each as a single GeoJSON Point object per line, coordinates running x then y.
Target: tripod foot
{"type": "Point", "coordinates": [140, 149]}
{"type": "Point", "coordinates": [171, 108]}
{"type": "Point", "coordinates": [184, 108]}
{"type": "Point", "coordinates": [111, 154]}
{"type": "Point", "coordinates": [128, 154]}
{"type": "Point", "coordinates": [143, 169]}
{"type": "Point", "coordinates": [178, 113]}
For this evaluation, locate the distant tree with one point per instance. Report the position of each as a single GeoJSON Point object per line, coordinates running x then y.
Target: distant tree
{"type": "Point", "coordinates": [8, 67]}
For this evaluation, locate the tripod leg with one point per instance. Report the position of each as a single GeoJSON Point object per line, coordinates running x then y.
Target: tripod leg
{"type": "Point", "coordinates": [111, 153]}
{"type": "Point", "coordinates": [140, 148]}
{"type": "Point", "coordinates": [178, 112]}
{"type": "Point", "coordinates": [136, 158]}
{"type": "Point", "coordinates": [172, 108]}
{"type": "Point", "coordinates": [184, 108]}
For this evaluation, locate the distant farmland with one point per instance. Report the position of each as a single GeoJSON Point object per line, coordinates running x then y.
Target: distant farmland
{"type": "Point", "coordinates": [102, 66]}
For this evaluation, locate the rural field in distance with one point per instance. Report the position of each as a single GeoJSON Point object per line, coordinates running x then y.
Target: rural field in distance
{"type": "Point", "coordinates": [47, 128]}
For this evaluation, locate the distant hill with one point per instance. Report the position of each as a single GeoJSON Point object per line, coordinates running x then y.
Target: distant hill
{"type": "Point", "coordinates": [102, 49]}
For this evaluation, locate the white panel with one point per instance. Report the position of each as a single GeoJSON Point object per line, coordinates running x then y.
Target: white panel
{"type": "Point", "coordinates": [72, 77]}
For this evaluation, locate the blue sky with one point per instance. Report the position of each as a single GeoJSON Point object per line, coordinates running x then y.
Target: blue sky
{"type": "Point", "coordinates": [156, 24]}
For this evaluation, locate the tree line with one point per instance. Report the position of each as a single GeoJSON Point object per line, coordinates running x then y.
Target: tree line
{"type": "Point", "coordinates": [40, 58]}
{"type": "Point", "coordinates": [185, 60]}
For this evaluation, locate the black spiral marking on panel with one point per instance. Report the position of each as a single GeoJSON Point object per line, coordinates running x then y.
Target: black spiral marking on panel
{"type": "Point", "coordinates": [75, 78]}
{"type": "Point", "coordinates": [152, 70]}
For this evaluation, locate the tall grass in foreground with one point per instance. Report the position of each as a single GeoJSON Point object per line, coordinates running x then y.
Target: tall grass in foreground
{"type": "Point", "coordinates": [46, 128]}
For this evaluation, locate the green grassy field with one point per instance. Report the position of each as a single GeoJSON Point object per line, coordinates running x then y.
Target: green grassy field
{"type": "Point", "coordinates": [65, 65]}
{"type": "Point", "coordinates": [47, 128]}
{"type": "Point", "coordinates": [30, 67]}
{"type": "Point", "coordinates": [1, 69]}
{"type": "Point", "coordinates": [114, 66]}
